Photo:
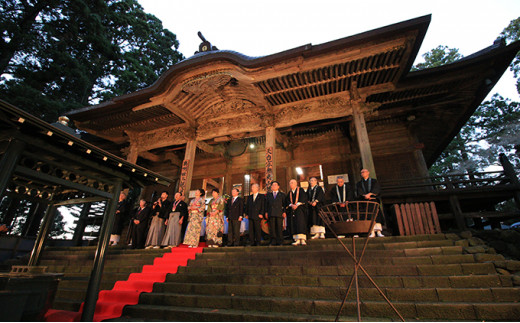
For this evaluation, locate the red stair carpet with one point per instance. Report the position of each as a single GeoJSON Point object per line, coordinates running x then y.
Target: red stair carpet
{"type": "Point", "coordinates": [110, 303]}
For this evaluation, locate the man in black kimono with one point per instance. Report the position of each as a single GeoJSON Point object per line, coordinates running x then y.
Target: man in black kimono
{"type": "Point", "coordinates": [297, 206]}
{"type": "Point", "coordinates": [316, 198]}
{"type": "Point", "coordinates": [160, 212]}
{"type": "Point", "coordinates": [368, 189]}
{"type": "Point", "coordinates": [255, 213]}
{"type": "Point", "coordinates": [340, 195]}
{"type": "Point", "coordinates": [235, 211]}
{"type": "Point", "coordinates": [275, 207]}
{"type": "Point", "coordinates": [140, 224]}
{"type": "Point", "coordinates": [180, 206]}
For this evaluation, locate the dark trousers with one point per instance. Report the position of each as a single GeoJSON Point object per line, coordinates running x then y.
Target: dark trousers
{"type": "Point", "coordinates": [276, 230]}
{"type": "Point", "coordinates": [233, 232]}
{"type": "Point", "coordinates": [255, 231]}
{"type": "Point", "coordinates": [139, 235]}
{"type": "Point", "coordinates": [184, 226]}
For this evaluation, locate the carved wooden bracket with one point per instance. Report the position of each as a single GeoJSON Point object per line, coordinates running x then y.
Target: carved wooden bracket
{"type": "Point", "coordinates": [169, 156]}
{"type": "Point", "coordinates": [212, 149]}
{"type": "Point", "coordinates": [267, 120]}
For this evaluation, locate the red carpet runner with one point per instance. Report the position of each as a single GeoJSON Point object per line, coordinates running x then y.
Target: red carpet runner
{"type": "Point", "coordinates": [110, 303]}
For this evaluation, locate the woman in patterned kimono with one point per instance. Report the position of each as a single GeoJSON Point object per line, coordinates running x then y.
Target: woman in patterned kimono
{"type": "Point", "coordinates": [196, 215]}
{"type": "Point", "coordinates": [215, 220]}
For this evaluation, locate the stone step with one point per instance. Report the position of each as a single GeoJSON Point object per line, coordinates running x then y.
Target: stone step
{"type": "Point", "coordinates": [177, 308]}
{"type": "Point", "coordinates": [87, 269]}
{"type": "Point", "coordinates": [66, 304]}
{"type": "Point", "coordinates": [139, 313]}
{"type": "Point", "coordinates": [90, 258]}
{"type": "Point", "coordinates": [83, 283]}
{"type": "Point", "coordinates": [376, 270]}
{"type": "Point", "coordinates": [333, 244]}
{"type": "Point", "coordinates": [493, 294]}
{"type": "Point", "coordinates": [71, 294]}
{"type": "Point", "coordinates": [306, 252]}
{"type": "Point", "coordinates": [285, 279]}
{"type": "Point", "coordinates": [344, 259]}
{"type": "Point", "coordinates": [109, 252]}
{"type": "Point", "coordinates": [73, 263]}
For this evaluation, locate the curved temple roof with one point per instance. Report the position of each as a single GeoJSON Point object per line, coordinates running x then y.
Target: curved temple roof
{"type": "Point", "coordinates": [304, 84]}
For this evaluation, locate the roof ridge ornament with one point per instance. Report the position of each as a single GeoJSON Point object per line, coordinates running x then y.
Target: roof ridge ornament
{"type": "Point", "coordinates": [205, 46]}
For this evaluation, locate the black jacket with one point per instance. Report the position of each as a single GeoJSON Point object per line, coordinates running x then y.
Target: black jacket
{"type": "Point", "coordinates": [141, 215]}
{"type": "Point", "coordinates": [235, 210]}
{"type": "Point", "coordinates": [253, 209]}
{"type": "Point", "coordinates": [334, 193]}
{"type": "Point", "coordinates": [164, 210]}
{"type": "Point", "coordinates": [182, 207]}
{"type": "Point", "coordinates": [275, 207]}
{"type": "Point", "coordinates": [317, 193]}
{"type": "Point", "coordinates": [363, 189]}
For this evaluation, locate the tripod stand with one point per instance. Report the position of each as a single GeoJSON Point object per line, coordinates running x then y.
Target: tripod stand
{"type": "Point", "coordinates": [354, 219]}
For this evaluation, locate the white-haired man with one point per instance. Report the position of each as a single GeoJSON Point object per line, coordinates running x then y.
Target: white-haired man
{"type": "Point", "coordinates": [297, 206]}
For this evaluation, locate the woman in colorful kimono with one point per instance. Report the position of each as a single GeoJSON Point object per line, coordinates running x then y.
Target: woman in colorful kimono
{"type": "Point", "coordinates": [215, 220]}
{"type": "Point", "coordinates": [196, 215]}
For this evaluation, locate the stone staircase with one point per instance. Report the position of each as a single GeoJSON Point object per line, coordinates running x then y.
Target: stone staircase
{"type": "Point", "coordinates": [439, 277]}
{"type": "Point", "coordinates": [76, 264]}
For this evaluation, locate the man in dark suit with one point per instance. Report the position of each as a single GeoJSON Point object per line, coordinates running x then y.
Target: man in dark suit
{"type": "Point", "coordinates": [255, 213]}
{"type": "Point", "coordinates": [180, 206]}
{"type": "Point", "coordinates": [368, 189]}
{"type": "Point", "coordinates": [275, 205]}
{"type": "Point", "coordinates": [140, 224]}
{"type": "Point", "coordinates": [235, 211]}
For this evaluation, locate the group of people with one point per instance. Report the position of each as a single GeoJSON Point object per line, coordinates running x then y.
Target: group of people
{"type": "Point", "coordinates": [296, 211]}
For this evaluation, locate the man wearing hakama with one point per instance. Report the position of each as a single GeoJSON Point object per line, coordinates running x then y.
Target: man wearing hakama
{"type": "Point", "coordinates": [161, 210]}
{"type": "Point", "coordinates": [178, 212]}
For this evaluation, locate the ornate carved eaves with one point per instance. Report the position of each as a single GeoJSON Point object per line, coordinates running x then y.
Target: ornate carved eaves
{"type": "Point", "coordinates": [168, 156]}
{"type": "Point", "coordinates": [168, 136]}
{"type": "Point", "coordinates": [333, 107]}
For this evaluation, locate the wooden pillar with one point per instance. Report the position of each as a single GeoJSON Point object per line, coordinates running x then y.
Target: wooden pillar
{"type": "Point", "coordinates": [362, 139]}
{"type": "Point", "coordinates": [421, 163]}
{"type": "Point", "coordinates": [270, 156]}
{"type": "Point", "coordinates": [509, 171]}
{"type": "Point", "coordinates": [227, 177]}
{"type": "Point", "coordinates": [8, 163]}
{"type": "Point", "coordinates": [48, 220]}
{"type": "Point", "coordinates": [81, 225]}
{"type": "Point", "coordinates": [457, 212]}
{"type": "Point", "coordinates": [99, 257]}
{"type": "Point", "coordinates": [187, 168]}
{"type": "Point", "coordinates": [133, 153]}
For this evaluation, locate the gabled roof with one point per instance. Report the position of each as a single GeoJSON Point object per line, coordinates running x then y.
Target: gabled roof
{"type": "Point", "coordinates": [304, 85]}
{"type": "Point", "coordinates": [374, 59]}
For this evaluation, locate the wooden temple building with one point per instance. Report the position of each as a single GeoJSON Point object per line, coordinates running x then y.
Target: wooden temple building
{"type": "Point", "coordinates": [223, 119]}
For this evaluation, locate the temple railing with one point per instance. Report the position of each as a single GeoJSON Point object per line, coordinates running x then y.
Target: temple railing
{"type": "Point", "coordinates": [451, 182]}
{"type": "Point", "coordinates": [460, 196]}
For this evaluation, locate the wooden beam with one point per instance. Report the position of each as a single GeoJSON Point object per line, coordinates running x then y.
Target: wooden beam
{"type": "Point", "coordinates": [212, 149]}
{"type": "Point", "coordinates": [282, 139]}
{"type": "Point", "coordinates": [169, 156]}
{"type": "Point", "coordinates": [181, 113]}
{"type": "Point", "coordinates": [212, 182]}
